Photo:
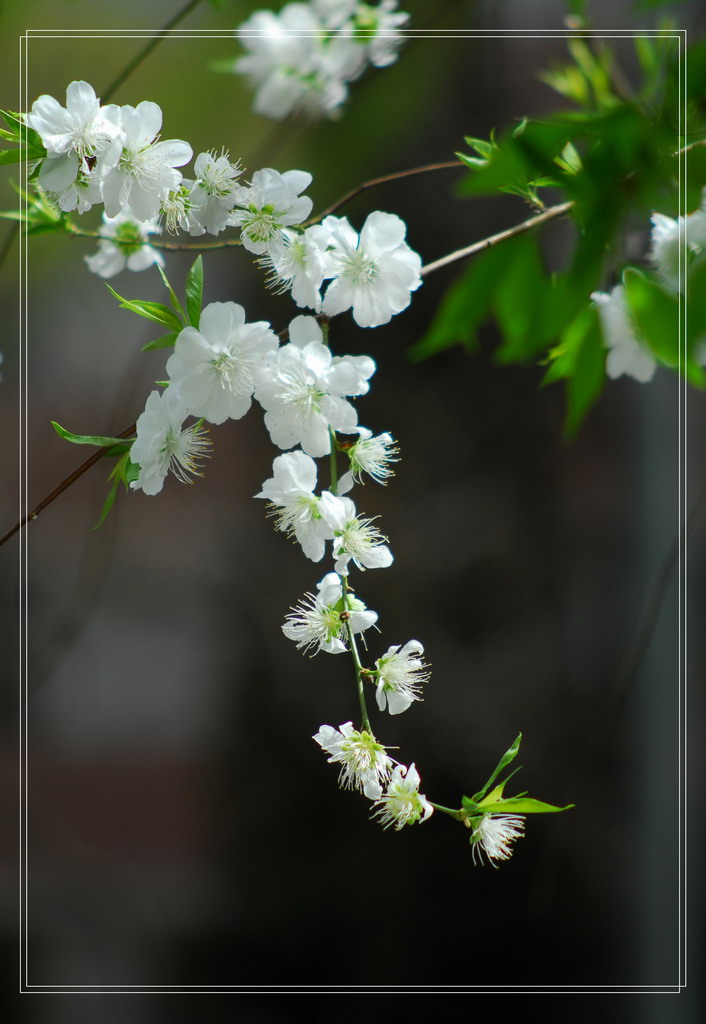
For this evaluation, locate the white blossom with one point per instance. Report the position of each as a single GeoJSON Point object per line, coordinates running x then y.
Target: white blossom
{"type": "Point", "coordinates": [675, 243]}
{"type": "Point", "coordinates": [212, 194]}
{"type": "Point", "coordinates": [355, 538]}
{"type": "Point", "coordinates": [305, 394]}
{"type": "Point", "coordinates": [377, 27]}
{"type": "Point", "coordinates": [626, 353]}
{"type": "Point", "coordinates": [82, 141]}
{"type": "Point", "coordinates": [300, 265]}
{"type": "Point", "coordinates": [370, 455]}
{"type": "Point", "coordinates": [163, 446]}
{"type": "Point", "coordinates": [365, 766]}
{"type": "Point", "coordinates": [493, 836]}
{"type": "Point", "coordinates": [271, 203]}
{"type": "Point", "coordinates": [127, 246]}
{"type": "Point", "coordinates": [146, 171]}
{"type": "Point", "coordinates": [317, 622]}
{"type": "Point", "coordinates": [374, 273]}
{"type": "Point", "coordinates": [290, 492]}
{"type": "Point", "coordinates": [400, 675]}
{"type": "Point", "coordinates": [218, 366]}
{"type": "Point", "coordinates": [402, 803]}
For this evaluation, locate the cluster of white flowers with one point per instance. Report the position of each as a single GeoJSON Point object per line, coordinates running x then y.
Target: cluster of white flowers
{"type": "Point", "coordinates": [302, 59]}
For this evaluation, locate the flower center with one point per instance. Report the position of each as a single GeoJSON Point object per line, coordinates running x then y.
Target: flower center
{"type": "Point", "coordinates": [358, 267]}
{"type": "Point", "coordinates": [184, 450]}
{"type": "Point", "coordinates": [234, 373]}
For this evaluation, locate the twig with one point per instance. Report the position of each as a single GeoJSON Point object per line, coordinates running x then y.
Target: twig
{"type": "Point", "coordinates": [147, 49]}
{"type": "Point", "coordinates": [446, 165]}
{"type": "Point", "coordinates": [502, 236]}
{"type": "Point", "coordinates": [60, 488]}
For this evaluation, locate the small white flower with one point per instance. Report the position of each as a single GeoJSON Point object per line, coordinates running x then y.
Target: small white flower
{"type": "Point", "coordinates": [400, 675]}
{"type": "Point", "coordinates": [291, 495]}
{"type": "Point", "coordinates": [212, 193]}
{"type": "Point", "coordinates": [377, 28]}
{"type": "Point", "coordinates": [364, 764]}
{"type": "Point", "coordinates": [668, 236]}
{"type": "Point", "coordinates": [355, 538]}
{"type": "Point", "coordinates": [371, 455]}
{"type": "Point", "coordinates": [146, 171]}
{"type": "Point", "coordinates": [626, 353]}
{"type": "Point", "coordinates": [318, 621]}
{"type": "Point", "coordinates": [402, 803]}
{"type": "Point", "coordinates": [175, 208]}
{"type": "Point", "coordinates": [303, 396]}
{"type": "Point", "coordinates": [374, 273]}
{"type": "Point", "coordinates": [300, 265]}
{"type": "Point", "coordinates": [493, 836]}
{"type": "Point", "coordinates": [127, 246]}
{"type": "Point", "coordinates": [271, 203]}
{"type": "Point", "coordinates": [218, 366]}
{"type": "Point", "coordinates": [162, 446]}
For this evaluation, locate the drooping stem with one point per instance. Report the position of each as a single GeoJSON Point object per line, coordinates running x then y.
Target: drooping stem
{"type": "Point", "coordinates": [333, 483]}
{"type": "Point", "coordinates": [356, 658]}
{"type": "Point", "coordinates": [147, 50]}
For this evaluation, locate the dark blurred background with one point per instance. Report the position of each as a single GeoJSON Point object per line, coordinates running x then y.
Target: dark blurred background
{"type": "Point", "coordinates": [182, 827]}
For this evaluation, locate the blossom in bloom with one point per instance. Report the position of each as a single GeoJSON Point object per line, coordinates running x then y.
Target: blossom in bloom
{"type": "Point", "coordinates": [377, 28]}
{"type": "Point", "coordinates": [146, 171]}
{"type": "Point", "coordinates": [162, 445]}
{"type": "Point", "coordinates": [175, 207]}
{"type": "Point", "coordinates": [294, 64]}
{"type": "Point", "coordinates": [626, 353]}
{"type": "Point", "coordinates": [212, 194]}
{"type": "Point", "coordinates": [494, 834]}
{"type": "Point", "coordinates": [304, 394]}
{"type": "Point", "coordinates": [370, 455]}
{"type": "Point", "coordinates": [82, 141]}
{"type": "Point", "coordinates": [271, 203]}
{"type": "Point", "coordinates": [218, 366]}
{"type": "Point", "coordinates": [318, 621]}
{"type": "Point", "coordinates": [127, 245]}
{"type": "Point", "coordinates": [374, 273]}
{"type": "Point", "coordinates": [365, 766]}
{"type": "Point", "coordinates": [402, 804]}
{"type": "Point", "coordinates": [355, 538]}
{"type": "Point", "coordinates": [290, 492]}
{"type": "Point", "coordinates": [400, 674]}
{"type": "Point", "coordinates": [675, 242]}
{"type": "Point", "coordinates": [300, 265]}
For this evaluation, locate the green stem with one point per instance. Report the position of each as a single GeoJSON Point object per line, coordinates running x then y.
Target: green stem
{"type": "Point", "coordinates": [333, 484]}
{"type": "Point", "coordinates": [458, 814]}
{"type": "Point", "coordinates": [356, 661]}
{"type": "Point", "coordinates": [147, 50]}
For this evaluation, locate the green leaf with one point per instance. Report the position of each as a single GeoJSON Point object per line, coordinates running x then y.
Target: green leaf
{"type": "Point", "coordinates": [519, 299]}
{"type": "Point", "coordinates": [579, 358]}
{"type": "Point", "coordinates": [523, 805]}
{"type": "Point", "coordinates": [108, 504]}
{"type": "Point", "coordinates": [656, 315]}
{"type": "Point", "coordinates": [178, 309]}
{"type": "Point", "coordinates": [166, 341]}
{"type": "Point", "coordinates": [505, 760]}
{"type": "Point", "coordinates": [11, 156]}
{"type": "Point", "coordinates": [100, 442]}
{"type": "Point", "coordinates": [150, 310]}
{"type": "Point", "coordinates": [194, 291]}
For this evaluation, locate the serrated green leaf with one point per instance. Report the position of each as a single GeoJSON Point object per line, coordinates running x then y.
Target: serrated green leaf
{"type": "Point", "coordinates": [194, 291]}
{"type": "Point", "coordinates": [166, 341]}
{"type": "Point", "coordinates": [100, 442]}
{"type": "Point", "coordinates": [178, 309]}
{"type": "Point", "coordinates": [524, 805]}
{"type": "Point", "coordinates": [507, 758]}
{"type": "Point", "coordinates": [155, 311]}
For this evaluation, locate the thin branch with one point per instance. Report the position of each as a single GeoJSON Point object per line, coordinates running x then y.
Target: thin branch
{"type": "Point", "coordinates": [60, 488]}
{"type": "Point", "coordinates": [502, 236]}
{"type": "Point", "coordinates": [446, 165]}
{"type": "Point", "coordinates": [147, 49]}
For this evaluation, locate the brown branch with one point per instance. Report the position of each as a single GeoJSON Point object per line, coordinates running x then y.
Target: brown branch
{"type": "Point", "coordinates": [60, 488]}
{"type": "Point", "coordinates": [502, 236]}
{"type": "Point", "coordinates": [446, 165]}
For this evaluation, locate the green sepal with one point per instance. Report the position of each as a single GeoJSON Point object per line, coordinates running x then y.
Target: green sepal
{"type": "Point", "coordinates": [178, 308]}
{"type": "Point", "coordinates": [100, 442]}
{"type": "Point", "coordinates": [194, 291]}
{"type": "Point", "coordinates": [507, 758]}
{"type": "Point", "coordinates": [154, 311]}
{"type": "Point", "coordinates": [166, 341]}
